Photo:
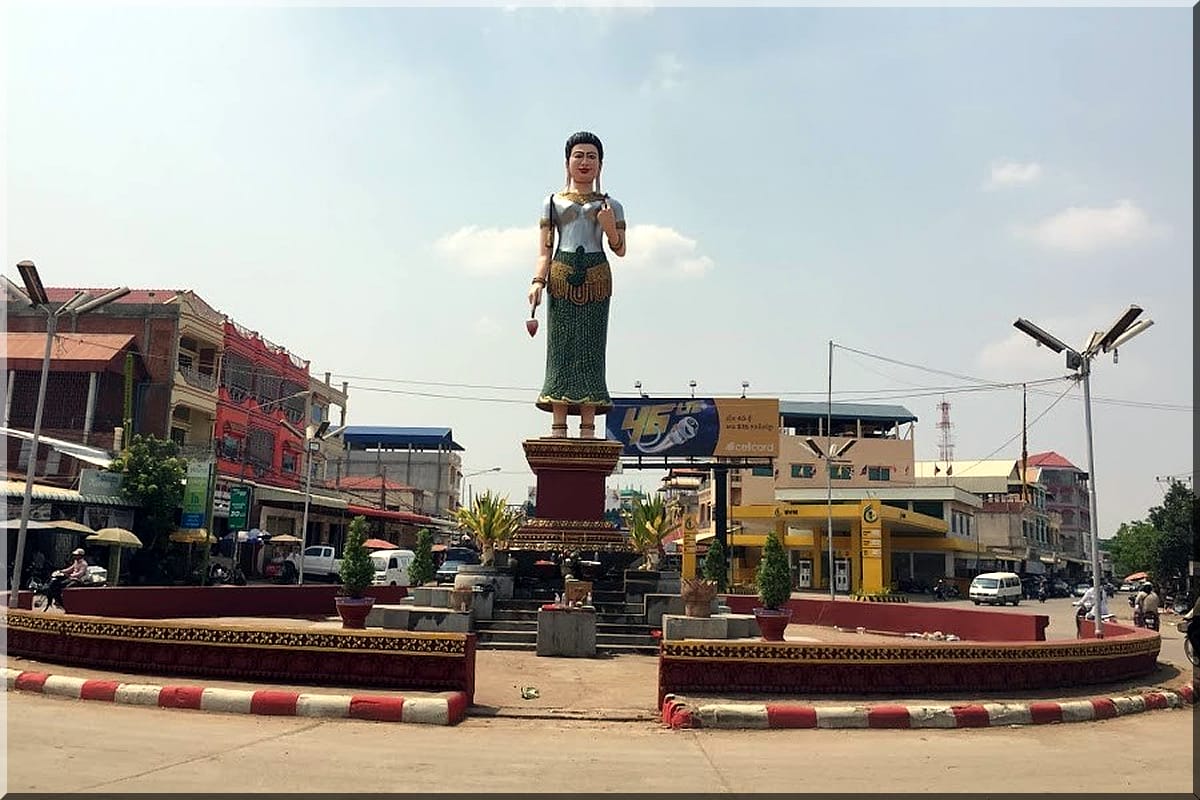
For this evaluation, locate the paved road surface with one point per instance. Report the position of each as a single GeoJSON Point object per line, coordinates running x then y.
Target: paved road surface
{"type": "Point", "coordinates": [67, 745]}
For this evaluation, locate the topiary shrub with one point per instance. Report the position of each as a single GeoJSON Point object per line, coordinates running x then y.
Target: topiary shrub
{"type": "Point", "coordinates": [357, 571]}
{"type": "Point", "coordinates": [774, 579]}
{"type": "Point", "coordinates": [422, 569]}
{"type": "Point", "coordinates": [715, 567]}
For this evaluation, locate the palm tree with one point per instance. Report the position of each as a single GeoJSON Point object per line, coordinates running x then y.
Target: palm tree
{"type": "Point", "coordinates": [491, 522]}
{"type": "Point", "coordinates": [649, 522]}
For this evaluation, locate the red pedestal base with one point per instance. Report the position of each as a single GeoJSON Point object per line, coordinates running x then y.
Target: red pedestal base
{"type": "Point", "coordinates": [570, 496]}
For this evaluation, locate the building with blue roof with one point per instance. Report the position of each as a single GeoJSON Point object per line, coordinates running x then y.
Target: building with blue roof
{"type": "Point", "coordinates": [427, 460]}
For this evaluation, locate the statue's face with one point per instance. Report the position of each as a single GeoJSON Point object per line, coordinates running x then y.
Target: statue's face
{"type": "Point", "coordinates": [584, 163]}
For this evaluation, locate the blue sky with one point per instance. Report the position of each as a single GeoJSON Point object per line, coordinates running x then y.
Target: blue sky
{"type": "Point", "coordinates": [362, 186]}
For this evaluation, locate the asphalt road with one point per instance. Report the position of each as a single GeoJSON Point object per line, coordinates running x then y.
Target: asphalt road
{"type": "Point", "coordinates": [57, 744]}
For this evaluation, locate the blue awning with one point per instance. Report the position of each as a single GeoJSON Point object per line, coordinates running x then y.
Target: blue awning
{"type": "Point", "coordinates": [361, 437]}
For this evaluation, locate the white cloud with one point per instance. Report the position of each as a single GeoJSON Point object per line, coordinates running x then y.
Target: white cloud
{"type": "Point", "coordinates": [1082, 230]}
{"type": "Point", "coordinates": [665, 74]}
{"type": "Point", "coordinates": [1012, 173]}
{"type": "Point", "coordinates": [496, 251]}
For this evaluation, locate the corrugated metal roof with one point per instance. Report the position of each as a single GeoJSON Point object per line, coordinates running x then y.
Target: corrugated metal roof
{"type": "Point", "coordinates": [43, 493]}
{"type": "Point", "coordinates": [70, 352]}
{"type": "Point", "coordinates": [993, 468]}
{"type": "Point", "coordinates": [400, 438]}
{"type": "Point", "coordinates": [843, 411]}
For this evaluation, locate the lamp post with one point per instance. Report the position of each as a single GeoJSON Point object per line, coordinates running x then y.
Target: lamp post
{"type": "Point", "coordinates": [1120, 332]}
{"type": "Point", "coordinates": [470, 498]}
{"type": "Point", "coordinates": [312, 444]}
{"type": "Point", "coordinates": [35, 295]}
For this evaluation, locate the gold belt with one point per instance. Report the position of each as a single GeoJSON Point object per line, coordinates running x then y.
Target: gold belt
{"type": "Point", "coordinates": [596, 285]}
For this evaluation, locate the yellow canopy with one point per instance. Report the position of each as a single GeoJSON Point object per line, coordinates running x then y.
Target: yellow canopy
{"type": "Point", "coordinates": [117, 536]}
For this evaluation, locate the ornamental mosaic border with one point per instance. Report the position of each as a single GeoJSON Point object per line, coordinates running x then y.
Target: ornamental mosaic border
{"type": "Point", "coordinates": [552, 453]}
{"type": "Point", "coordinates": [789, 652]}
{"type": "Point", "coordinates": [571, 524]}
{"type": "Point", "coordinates": [425, 644]}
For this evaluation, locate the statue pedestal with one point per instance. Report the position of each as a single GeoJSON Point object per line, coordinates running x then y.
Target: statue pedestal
{"type": "Point", "coordinates": [570, 496]}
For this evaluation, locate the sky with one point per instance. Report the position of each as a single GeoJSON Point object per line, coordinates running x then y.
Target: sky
{"type": "Point", "coordinates": [362, 186]}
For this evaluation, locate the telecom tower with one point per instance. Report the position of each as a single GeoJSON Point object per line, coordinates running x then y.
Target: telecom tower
{"type": "Point", "coordinates": [946, 446]}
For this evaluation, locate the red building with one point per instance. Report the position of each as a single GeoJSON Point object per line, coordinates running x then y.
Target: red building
{"type": "Point", "coordinates": [261, 410]}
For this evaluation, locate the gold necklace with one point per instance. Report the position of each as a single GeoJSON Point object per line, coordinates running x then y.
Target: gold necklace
{"type": "Point", "coordinates": [580, 198]}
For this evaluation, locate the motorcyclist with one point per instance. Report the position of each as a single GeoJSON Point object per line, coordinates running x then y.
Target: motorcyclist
{"type": "Point", "coordinates": [1145, 607]}
{"type": "Point", "coordinates": [72, 574]}
{"type": "Point", "coordinates": [1043, 590]}
{"type": "Point", "coordinates": [1087, 604]}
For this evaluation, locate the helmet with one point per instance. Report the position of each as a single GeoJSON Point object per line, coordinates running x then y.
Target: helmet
{"type": "Point", "coordinates": [78, 551]}
{"type": "Point", "coordinates": [1147, 587]}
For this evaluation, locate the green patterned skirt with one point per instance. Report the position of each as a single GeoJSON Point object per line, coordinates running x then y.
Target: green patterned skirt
{"type": "Point", "coordinates": [578, 292]}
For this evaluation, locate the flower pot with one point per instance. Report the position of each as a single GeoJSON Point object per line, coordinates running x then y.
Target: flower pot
{"type": "Point", "coordinates": [772, 622]}
{"type": "Point", "coordinates": [354, 610]}
{"type": "Point", "coordinates": [698, 609]}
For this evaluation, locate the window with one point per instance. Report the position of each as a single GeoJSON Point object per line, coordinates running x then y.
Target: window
{"type": "Point", "coordinates": [879, 473]}
{"type": "Point", "coordinates": [763, 472]}
{"type": "Point", "coordinates": [803, 470]}
{"type": "Point", "coordinates": [840, 472]}
{"type": "Point", "coordinates": [930, 508]}
{"type": "Point", "coordinates": [289, 461]}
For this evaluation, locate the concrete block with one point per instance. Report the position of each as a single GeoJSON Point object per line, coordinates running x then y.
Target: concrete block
{"type": "Point", "coordinates": [566, 633]}
{"type": "Point", "coordinates": [441, 620]}
{"type": "Point", "coordinates": [440, 596]}
{"type": "Point", "coordinates": [659, 604]}
{"type": "Point", "coordinates": [675, 627]}
{"type": "Point", "coordinates": [390, 616]}
{"type": "Point", "coordinates": [742, 626]}
{"type": "Point", "coordinates": [482, 604]}
{"type": "Point", "coordinates": [421, 595]}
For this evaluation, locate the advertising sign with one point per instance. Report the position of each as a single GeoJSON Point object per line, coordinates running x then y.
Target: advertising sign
{"type": "Point", "coordinates": [195, 494]}
{"type": "Point", "coordinates": [721, 427]}
{"type": "Point", "coordinates": [100, 482]}
{"type": "Point", "coordinates": [239, 507]}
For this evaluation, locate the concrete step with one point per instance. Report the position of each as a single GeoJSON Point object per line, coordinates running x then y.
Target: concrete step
{"type": "Point", "coordinates": [514, 614]}
{"type": "Point", "coordinates": [641, 629]}
{"type": "Point", "coordinates": [605, 640]}
{"type": "Point", "coordinates": [628, 649]}
{"type": "Point", "coordinates": [510, 637]}
{"type": "Point", "coordinates": [487, 625]}
{"type": "Point", "coordinates": [521, 646]}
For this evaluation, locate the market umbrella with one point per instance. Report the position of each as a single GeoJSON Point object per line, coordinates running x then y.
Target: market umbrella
{"type": "Point", "coordinates": [70, 525]}
{"type": "Point", "coordinates": [285, 538]}
{"type": "Point", "coordinates": [1137, 576]}
{"type": "Point", "coordinates": [378, 544]}
{"type": "Point", "coordinates": [119, 537]}
{"type": "Point", "coordinates": [192, 536]}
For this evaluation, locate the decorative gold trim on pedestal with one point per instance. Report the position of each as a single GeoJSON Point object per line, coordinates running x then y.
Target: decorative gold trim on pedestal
{"type": "Point", "coordinates": [592, 455]}
{"type": "Point", "coordinates": [568, 534]}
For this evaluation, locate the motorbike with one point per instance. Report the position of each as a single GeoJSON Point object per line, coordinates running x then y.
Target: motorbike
{"type": "Point", "coordinates": [1191, 639]}
{"type": "Point", "coordinates": [218, 574]}
{"type": "Point", "coordinates": [945, 591]}
{"type": "Point", "coordinates": [48, 592]}
{"type": "Point", "coordinates": [1146, 620]}
{"type": "Point", "coordinates": [1042, 593]}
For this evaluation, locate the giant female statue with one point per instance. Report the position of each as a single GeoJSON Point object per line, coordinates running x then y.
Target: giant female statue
{"type": "Point", "coordinates": [577, 278]}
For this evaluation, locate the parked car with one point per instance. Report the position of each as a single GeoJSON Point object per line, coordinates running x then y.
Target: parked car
{"type": "Point", "coordinates": [1060, 588]}
{"type": "Point", "coordinates": [447, 571]}
{"type": "Point", "coordinates": [1080, 589]}
{"type": "Point", "coordinates": [391, 567]}
{"type": "Point", "coordinates": [319, 562]}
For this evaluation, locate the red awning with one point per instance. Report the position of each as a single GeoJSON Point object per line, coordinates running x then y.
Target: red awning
{"type": "Point", "coordinates": [395, 516]}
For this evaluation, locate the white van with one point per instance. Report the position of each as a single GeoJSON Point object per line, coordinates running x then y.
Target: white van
{"type": "Point", "coordinates": [391, 567]}
{"type": "Point", "coordinates": [996, 588]}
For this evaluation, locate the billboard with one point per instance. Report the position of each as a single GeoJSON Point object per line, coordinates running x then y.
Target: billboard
{"type": "Point", "coordinates": [195, 494]}
{"type": "Point", "coordinates": [720, 427]}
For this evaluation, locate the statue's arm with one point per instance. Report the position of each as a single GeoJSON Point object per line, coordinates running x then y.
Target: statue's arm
{"type": "Point", "coordinates": [612, 219]}
{"type": "Point", "coordinates": [541, 273]}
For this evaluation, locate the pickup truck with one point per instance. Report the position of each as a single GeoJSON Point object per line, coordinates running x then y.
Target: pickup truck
{"type": "Point", "coordinates": [319, 563]}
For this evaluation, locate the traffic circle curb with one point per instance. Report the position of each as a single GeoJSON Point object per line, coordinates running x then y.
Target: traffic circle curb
{"type": "Point", "coordinates": [448, 709]}
{"type": "Point", "coordinates": [679, 713]}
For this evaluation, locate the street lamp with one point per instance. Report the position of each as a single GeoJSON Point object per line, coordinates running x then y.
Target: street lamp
{"type": "Point", "coordinates": [35, 295]}
{"type": "Point", "coordinates": [312, 444]}
{"type": "Point", "coordinates": [472, 475]}
{"type": "Point", "coordinates": [1120, 332]}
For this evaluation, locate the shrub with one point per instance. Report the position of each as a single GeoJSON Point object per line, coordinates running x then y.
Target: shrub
{"type": "Point", "coordinates": [716, 568]}
{"type": "Point", "coordinates": [357, 571]}
{"type": "Point", "coordinates": [422, 569]}
{"type": "Point", "coordinates": [774, 578]}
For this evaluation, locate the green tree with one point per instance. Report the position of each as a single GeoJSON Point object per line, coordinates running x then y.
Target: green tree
{"type": "Point", "coordinates": [153, 480]}
{"type": "Point", "coordinates": [774, 579]}
{"type": "Point", "coordinates": [1133, 548]}
{"type": "Point", "coordinates": [649, 522]}
{"type": "Point", "coordinates": [716, 568]}
{"type": "Point", "coordinates": [422, 570]}
{"type": "Point", "coordinates": [491, 522]}
{"type": "Point", "coordinates": [1176, 541]}
{"type": "Point", "coordinates": [357, 571]}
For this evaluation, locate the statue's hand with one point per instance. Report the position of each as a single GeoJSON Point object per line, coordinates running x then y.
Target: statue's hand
{"type": "Point", "coordinates": [535, 295]}
{"type": "Point", "coordinates": [607, 220]}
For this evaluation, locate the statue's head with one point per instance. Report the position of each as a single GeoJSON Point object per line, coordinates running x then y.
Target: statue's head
{"type": "Point", "coordinates": [585, 156]}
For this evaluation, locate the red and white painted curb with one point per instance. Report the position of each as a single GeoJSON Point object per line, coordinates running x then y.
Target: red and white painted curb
{"type": "Point", "coordinates": [449, 709]}
{"type": "Point", "coordinates": [677, 713]}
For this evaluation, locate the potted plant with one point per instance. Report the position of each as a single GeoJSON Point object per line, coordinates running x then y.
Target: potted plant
{"type": "Point", "coordinates": [357, 572]}
{"type": "Point", "coordinates": [697, 594]}
{"type": "Point", "coordinates": [774, 582]}
{"type": "Point", "coordinates": [649, 522]}
{"type": "Point", "coordinates": [716, 568]}
{"type": "Point", "coordinates": [491, 522]}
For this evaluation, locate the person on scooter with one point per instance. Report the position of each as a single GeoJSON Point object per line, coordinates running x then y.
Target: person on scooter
{"type": "Point", "coordinates": [72, 574]}
{"type": "Point", "coordinates": [1145, 607]}
{"type": "Point", "coordinates": [1043, 590]}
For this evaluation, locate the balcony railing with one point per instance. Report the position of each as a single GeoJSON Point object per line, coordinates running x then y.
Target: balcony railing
{"type": "Point", "coordinates": [199, 380]}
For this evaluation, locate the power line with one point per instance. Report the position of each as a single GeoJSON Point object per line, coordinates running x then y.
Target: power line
{"type": "Point", "coordinates": [1018, 434]}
